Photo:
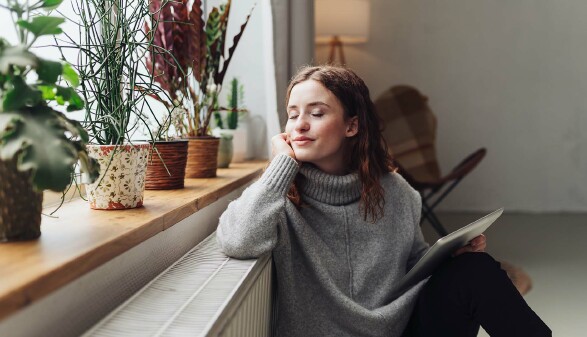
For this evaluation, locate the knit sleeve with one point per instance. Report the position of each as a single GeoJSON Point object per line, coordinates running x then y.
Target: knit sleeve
{"type": "Point", "coordinates": [249, 226]}
{"type": "Point", "coordinates": [419, 245]}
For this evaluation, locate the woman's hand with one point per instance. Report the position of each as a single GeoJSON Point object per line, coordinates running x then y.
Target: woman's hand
{"type": "Point", "coordinates": [280, 144]}
{"type": "Point", "coordinates": [478, 244]}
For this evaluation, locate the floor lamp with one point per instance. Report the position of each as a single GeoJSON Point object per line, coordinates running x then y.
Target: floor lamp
{"type": "Point", "coordinates": [341, 21]}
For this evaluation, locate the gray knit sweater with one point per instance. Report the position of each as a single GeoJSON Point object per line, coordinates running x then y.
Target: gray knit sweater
{"type": "Point", "coordinates": [335, 272]}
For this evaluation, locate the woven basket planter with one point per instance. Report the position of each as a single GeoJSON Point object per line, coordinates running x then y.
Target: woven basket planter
{"type": "Point", "coordinates": [121, 184]}
{"type": "Point", "coordinates": [20, 205]}
{"type": "Point", "coordinates": [202, 157]}
{"type": "Point", "coordinates": [166, 165]}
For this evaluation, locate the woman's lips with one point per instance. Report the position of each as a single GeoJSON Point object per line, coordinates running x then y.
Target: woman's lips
{"type": "Point", "coordinates": [300, 141]}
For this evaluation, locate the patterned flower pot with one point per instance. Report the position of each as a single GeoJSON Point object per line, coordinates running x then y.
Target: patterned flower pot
{"type": "Point", "coordinates": [20, 204]}
{"type": "Point", "coordinates": [202, 157]}
{"type": "Point", "coordinates": [121, 184]}
{"type": "Point", "coordinates": [166, 165]}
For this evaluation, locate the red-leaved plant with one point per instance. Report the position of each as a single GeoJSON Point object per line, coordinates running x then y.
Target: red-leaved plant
{"type": "Point", "coordinates": [186, 58]}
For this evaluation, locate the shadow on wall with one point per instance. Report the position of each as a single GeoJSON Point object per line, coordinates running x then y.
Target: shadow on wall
{"type": "Point", "coordinates": [257, 130]}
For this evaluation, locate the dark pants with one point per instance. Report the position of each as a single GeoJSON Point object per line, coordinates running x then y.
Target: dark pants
{"type": "Point", "coordinates": [468, 291]}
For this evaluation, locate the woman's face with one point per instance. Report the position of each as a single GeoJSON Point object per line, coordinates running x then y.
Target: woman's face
{"type": "Point", "coordinates": [317, 128]}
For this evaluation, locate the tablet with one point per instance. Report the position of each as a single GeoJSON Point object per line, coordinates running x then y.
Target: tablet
{"type": "Point", "coordinates": [443, 248]}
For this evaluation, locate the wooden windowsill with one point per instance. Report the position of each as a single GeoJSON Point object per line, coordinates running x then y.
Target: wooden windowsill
{"type": "Point", "coordinates": [81, 239]}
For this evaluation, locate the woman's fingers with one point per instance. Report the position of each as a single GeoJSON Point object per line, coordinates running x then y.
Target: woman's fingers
{"type": "Point", "coordinates": [478, 244]}
{"type": "Point", "coordinates": [280, 145]}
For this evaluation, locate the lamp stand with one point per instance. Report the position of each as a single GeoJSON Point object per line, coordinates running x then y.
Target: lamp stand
{"type": "Point", "coordinates": [334, 44]}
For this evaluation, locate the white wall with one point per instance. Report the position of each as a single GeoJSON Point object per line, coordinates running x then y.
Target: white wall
{"type": "Point", "coordinates": [510, 76]}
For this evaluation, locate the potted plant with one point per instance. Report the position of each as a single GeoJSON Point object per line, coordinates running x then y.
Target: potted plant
{"type": "Point", "coordinates": [228, 124]}
{"type": "Point", "coordinates": [112, 47]}
{"type": "Point", "coordinates": [193, 70]}
{"type": "Point", "coordinates": [39, 145]}
{"type": "Point", "coordinates": [167, 155]}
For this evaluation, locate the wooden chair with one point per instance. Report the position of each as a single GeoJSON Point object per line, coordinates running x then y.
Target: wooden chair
{"type": "Point", "coordinates": [410, 132]}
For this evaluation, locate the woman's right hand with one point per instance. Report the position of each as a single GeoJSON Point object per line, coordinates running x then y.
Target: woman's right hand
{"type": "Point", "coordinates": [280, 144]}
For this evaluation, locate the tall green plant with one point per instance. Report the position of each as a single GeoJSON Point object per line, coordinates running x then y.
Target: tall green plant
{"type": "Point", "coordinates": [112, 52]}
{"type": "Point", "coordinates": [234, 109]}
{"type": "Point", "coordinates": [41, 138]}
{"type": "Point", "coordinates": [193, 71]}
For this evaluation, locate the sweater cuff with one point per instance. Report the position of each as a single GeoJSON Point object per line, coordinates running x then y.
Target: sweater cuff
{"type": "Point", "coordinates": [280, 173]}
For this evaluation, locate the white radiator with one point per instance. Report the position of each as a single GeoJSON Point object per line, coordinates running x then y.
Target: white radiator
{"type": "Point", "coordinates": [204, 293]}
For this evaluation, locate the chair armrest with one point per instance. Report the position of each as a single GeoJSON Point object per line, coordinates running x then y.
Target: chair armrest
{"type": "Point", "coordinates": [458, 172]}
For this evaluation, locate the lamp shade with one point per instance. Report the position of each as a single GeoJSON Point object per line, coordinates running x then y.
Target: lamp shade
{"type": "Point", "coordinates": [346, 19]}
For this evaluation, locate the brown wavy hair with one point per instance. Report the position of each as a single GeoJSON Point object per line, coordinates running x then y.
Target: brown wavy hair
{"type": "Point", "coordinates": [369, 155]}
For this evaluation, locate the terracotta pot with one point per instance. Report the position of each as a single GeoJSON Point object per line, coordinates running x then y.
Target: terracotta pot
{"type": "Point", "coordinates": [121, 184]}
{"type": "Point", "coordinates": [166, 165]}
{"type": "Point", "coordinates": [202, 157]}
{"type": "Point", "coordinates": [20, 204]}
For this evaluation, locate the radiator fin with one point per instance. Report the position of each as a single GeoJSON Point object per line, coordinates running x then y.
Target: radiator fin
{"type": "Point", "coordinates": [204, 293]}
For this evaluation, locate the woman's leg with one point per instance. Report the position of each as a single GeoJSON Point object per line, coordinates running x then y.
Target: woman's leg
{"type": "Point", "coordinates": [471, 290]}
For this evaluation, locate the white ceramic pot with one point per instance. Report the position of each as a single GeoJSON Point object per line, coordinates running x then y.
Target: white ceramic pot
{"type": "Point", "coordinates": [121, 184]}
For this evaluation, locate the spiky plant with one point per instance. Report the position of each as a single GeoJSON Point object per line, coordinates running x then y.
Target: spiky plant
{"type": "Point", "coordinates": [234, 109]}
{"type": "Point", "coordinates": [112, 50]}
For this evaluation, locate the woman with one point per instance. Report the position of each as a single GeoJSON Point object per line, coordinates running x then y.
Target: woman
{"type": "Point", "coordinates": [343, 228]}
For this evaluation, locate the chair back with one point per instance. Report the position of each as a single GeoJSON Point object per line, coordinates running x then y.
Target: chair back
{"type": "Point", "coordinates": [410, 131]}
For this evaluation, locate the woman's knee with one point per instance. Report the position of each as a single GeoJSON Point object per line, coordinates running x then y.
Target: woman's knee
{"type": "Point", "coordinates": [469, 269]}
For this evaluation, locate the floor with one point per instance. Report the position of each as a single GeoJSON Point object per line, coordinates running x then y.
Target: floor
{"type": "Point", "coordinates": [551, 248]}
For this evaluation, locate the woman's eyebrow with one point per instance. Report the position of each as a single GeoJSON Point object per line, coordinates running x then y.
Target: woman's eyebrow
{"type": "Point", "coordinates": [318, 103]}
{"type": "Point", "coordinates": [312, 104]}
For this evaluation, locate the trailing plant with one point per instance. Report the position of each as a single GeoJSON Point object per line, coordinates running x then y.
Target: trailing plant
{"type": "Point", "coordinates": [41, 139]}
{"type": "Point", "coordinates": [112, 52]}
{"type": "Point", "coordinates": [233, 111]}
{"type": "Point", "coordinates": [193, 66]}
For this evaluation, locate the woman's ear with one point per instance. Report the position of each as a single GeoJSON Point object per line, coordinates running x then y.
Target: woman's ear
{"type": "Point", "coordinates": [352, 126]}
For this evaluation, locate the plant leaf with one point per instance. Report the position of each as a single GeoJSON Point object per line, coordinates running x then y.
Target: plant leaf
{"type": "Point", "coordinates": [219, 78]}
{"type": "Point", "coordinates": [16, 56]}
{"type": "Point", "coordinates": [38, 137]}
{"type": "Point", "coordinates": [197, 42]}
{"type": "Point", "coordinates": [49, 71]}
{"type": "Point", "coordinates": [70, 75]}
{"type": "Point", "coordinates": [42, 25]}
{"type": "Point", "coordinates": [51, 4]}
{"type": "Point", "coordinates": [20, 95]}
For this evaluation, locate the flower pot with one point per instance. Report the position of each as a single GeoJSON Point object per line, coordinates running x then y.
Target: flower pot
{"type": "Point", "coordinates": [225, 150]}
{"type": "Point", "coordinates": [202, 157]}
{"type": "Point", "coordinates": [20, 204]}
{"type": "Point", "coordinates": [166, 165]}
{"type": "Point", "coordinates": [121, 184]}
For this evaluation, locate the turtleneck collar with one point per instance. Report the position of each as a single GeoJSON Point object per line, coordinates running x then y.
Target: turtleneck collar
{"type": "Point", "coordinates": [327, 188]}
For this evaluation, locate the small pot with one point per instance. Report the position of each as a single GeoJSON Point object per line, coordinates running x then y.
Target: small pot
{"type": "Point", "coordinates": [121, 184]}
{"type": "Point", "coordinates": [202, 157]}
{"type": "Point", "coordinates": [166, 165]}
{"type": "Point", "coordinates": [225, 150]}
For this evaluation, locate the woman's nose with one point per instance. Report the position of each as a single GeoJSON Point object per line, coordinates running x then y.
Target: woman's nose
{"type": "Point", "coordinates": [302, 123]}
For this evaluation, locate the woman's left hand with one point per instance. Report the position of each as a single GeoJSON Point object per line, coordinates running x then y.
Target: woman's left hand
{"type": "Point", "coordinates": [478, 244]}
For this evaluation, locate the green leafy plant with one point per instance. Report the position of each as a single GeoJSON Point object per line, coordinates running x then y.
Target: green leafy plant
{"type": "Point", "coordinates": [192, 69]}
{"type": "Point", "coordinates": [112, 51]}
{"type": "Point", "coordinates": [233, 111]}
{"type": "Point", "coordinates": [42, 139]}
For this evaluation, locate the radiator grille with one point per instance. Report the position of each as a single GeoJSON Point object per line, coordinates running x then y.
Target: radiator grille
{"type": "Point", "coordinates": [204, 293]}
